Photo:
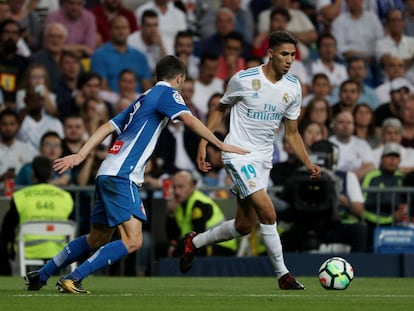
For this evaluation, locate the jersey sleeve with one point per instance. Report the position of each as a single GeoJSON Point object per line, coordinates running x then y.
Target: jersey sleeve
{"type": "Point", "coordinates": [121, 119]}
{"type": "Point", "coordinates": [293, 111]}
{"type": "Point", "coordinates": [234, 91]}
{"type": "Point", "coordinates": [172, 104]}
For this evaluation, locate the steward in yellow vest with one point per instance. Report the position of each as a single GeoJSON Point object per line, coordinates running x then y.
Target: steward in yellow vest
{"type": "Point", "coordinates": [192, 210]}
{"type": "Point", "coordinates": [41, 201]}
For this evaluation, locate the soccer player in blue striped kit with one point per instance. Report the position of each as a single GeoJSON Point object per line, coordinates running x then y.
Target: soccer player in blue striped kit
{"type": "Point", "coordinates": [260, 98]}
{"type": "Point", "coordinates": [117, 203]}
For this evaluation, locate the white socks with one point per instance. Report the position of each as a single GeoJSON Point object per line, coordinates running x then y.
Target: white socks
{"type": "Point", "coordinates": [223, 232]}
{"type": "Point", "coordinates": [273, 245]}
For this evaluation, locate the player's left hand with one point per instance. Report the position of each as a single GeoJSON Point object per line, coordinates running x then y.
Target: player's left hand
{"type": "Point", "coordinates": [315, 171]}
{"type": "Point", "coordinates": [61, 165]}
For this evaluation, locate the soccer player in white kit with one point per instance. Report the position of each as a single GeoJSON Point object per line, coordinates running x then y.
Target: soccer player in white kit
{"type": "Point", "coordinates": [259, 98]}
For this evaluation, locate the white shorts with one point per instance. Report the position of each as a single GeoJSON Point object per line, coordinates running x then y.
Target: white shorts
{"type": "Point", "coordinates": [248, 175]}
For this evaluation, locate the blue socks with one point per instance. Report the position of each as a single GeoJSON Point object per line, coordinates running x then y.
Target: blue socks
{"type": "Point", "coordinates": [75, 250]}
{"type": "Point", "coordinates": [105, 256]}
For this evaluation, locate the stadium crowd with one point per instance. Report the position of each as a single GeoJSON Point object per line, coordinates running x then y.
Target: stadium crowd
{"type": "Point", "coordinates": [68, 66]}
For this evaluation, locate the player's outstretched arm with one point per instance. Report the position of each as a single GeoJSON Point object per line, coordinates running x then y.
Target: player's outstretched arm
{"type": "Point", "coordinates": [61, 165]}
{"type": "Point", "coordinates": [295, 140]}
{"type": "Point", "coordinates": [200, 129]}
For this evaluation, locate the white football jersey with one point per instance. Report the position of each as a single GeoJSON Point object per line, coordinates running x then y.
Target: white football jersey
{"type": "Point", "coordinates": [258, 108]}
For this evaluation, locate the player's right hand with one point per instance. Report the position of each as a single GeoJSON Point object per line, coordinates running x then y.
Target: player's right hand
{"type": "Point", "coordinates": [201, 159]}
{"type": "Point", "coordinates": [234, 149]}
{"type": "Point", "coordinates": [61, 165]}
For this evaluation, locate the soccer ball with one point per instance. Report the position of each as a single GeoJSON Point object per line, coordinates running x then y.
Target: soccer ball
{"type": "Point", "coordinates": [336, 273]}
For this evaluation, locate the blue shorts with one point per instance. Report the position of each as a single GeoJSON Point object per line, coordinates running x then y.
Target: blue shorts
{"type": "Point", "coordinates": [116, 200]}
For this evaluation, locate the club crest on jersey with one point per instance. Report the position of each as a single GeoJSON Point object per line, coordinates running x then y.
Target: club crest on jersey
{"type": "Point", "coordinates": [178, 98]}
{"type": "Point", "coordinates": [116, 147]}
{"type": "Point", "coordinates": [285, 98]}
{"type": "Point", "coordinates": [256, 85]}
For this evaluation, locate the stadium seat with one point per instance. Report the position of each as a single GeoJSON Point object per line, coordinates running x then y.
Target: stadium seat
{"type": "Point", "coordinates": [46, 229]}
{"type": "Point", "coordinates": [393, 240]}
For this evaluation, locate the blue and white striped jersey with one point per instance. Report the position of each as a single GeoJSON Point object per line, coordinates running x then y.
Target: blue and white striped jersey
{"type": "Point", "coordinates": [139, 127]}
{"type": "Point", "coordinates": [258, 107]}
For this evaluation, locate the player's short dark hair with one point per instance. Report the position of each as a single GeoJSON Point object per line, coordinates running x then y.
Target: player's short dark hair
{"type": "Point", "coordinates": [277, 38]}
{"type": "Point", "coordinates": [169, 67]}
{"type": "Point", "coordinates": [42, 168]}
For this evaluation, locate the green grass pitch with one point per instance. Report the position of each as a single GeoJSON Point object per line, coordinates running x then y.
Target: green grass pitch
{"type": "Point", "coordinates": [207, 293]}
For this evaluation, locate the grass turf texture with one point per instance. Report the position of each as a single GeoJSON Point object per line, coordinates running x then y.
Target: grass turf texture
{"type": "Point", "coordinates": [188, 293]}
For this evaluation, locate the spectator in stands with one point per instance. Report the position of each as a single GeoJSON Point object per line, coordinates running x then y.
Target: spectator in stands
{"type": "Point", "coordinates": [207, 83]}
{"type": "Point", "coordinates": [386, 211]}
{"type": "Point", "coordinates": [279, 17]}
{"type": "Point", "coordinates": [171, 20]}
{"type": "Point", "coordinates": [326, 63]}
{"type": "Point", "coordinates": [312, 132]}
{"type": "Point", "coordinates": [231, 61]}
{"type": "Point", "coordinates": [127, 85]}
{"type": "Point", "coordinates": [355, 154]}
{"type": "Point", "coordinates": [36, 76]}
{"type": "Point", "coordinates": [177, 147]}
{"type": "Point", "coordinates": [148, 39]}
{"type": "Point", "coordinates": [299, 25]}
{"type": "Point", "coordinates": [349, 92]}
{"type": "Point", "coordinates": [225, 22]}
{"type": "Point", "coordinates": [407, 119]}
{"type": "Point", "coordinates": [391, 132]}
{"type": "Point", "coordinates": [50, 147]}
{"type": "Point", "coordinates": [13, 152]}
{"type": "Point", "coordinates": [95, 113]}
{"type": "Point", "coordinates": [105, 12]}
{"type": "Point", "coordinates": [399, 90]}
{"type": "Point", "coordinates": [80, 24]}
{"type": "Point", "coordinates": [42, 8]}
{"type": "Point", "coordinates": [65, 87]}
{"type": "Point", "coordinates": [89, 85]}
{"type": "Point", "coordinates": [74, 137]}
{"type": "Point", "coordinates": [243, 18]}
{"type": "Point", "coordinates": [54, 39]}
{"type": "Point", "coordinates": [393, 69]}
{"type": "Point", "coordinates": [357, 71]}
{"type": "Point", "coordinates": [395, 42]}
{"type": "Point", "coordinates": [187, 92]}
{"type": "Point", "coordinates": [35, 122]}
{"type": "Point", "coordinates": [318, 111]}
{"type": "Point", "coordinates": [184, 50]}
{"type": "Point", "coordinates": [365, 124]}
{"type": "Point", "coordinates": [115, 55]}
{"type": "Point", "coordinates": [320, 88]}
{"type": "Point", "coordinates": [409, 18]}
{"type": "Point", "coordinates": [192, 210]}
{"type": "Point", "coordinates": [30, 26]}
{"type": "Point", "coordinates": [12, 65]}
{"type": "Point", "coordinates": [213, 103]}
{"type": "Point", "coordinates": [56, 204]}
{"type": "Point", "coordinates": [352, 42]}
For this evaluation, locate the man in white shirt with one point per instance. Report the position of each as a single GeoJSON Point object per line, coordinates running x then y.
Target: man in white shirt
{"type": "Point", "coordinates": [355, 154]}
{"type": "Point", "coordinates": [36, 122]}
{"type": "Point", "coordinates": [148, 39]}
{"type": "Point", "coordinates": [206, 84]}
{"type": "Point", "coordinates": [326, 63]}
{"type": "Point", "coordinates": [13, 152]}
{"type": "Point", "coordinates": [171, 20]}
